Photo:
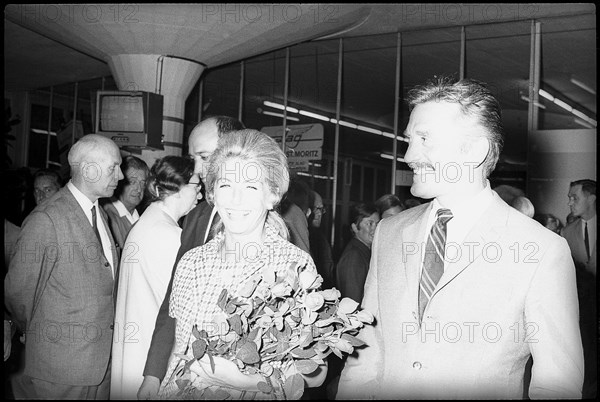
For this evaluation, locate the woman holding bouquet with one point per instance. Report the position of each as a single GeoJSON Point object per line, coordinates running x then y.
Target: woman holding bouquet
{"type": "Point", "coordinates": [145, 270]}
{"type": "Point", "coordinates": [247, 178]}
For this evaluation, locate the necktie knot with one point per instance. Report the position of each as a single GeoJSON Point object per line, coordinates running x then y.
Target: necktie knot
{"type": "Point", "coordinates": [444, 215]}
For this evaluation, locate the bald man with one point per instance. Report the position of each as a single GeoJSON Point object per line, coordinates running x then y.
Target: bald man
{"type": "Point", "coordinates": [60, 285]}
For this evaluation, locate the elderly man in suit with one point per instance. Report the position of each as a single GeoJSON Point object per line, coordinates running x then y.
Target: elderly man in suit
{"type": "Point", "coordinates": [60, 285]}
{"type": "Point", "coordinates": [464, 288]}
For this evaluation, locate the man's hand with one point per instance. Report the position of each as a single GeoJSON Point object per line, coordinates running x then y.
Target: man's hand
{"type": "Point", "coordinates": [149, 388]}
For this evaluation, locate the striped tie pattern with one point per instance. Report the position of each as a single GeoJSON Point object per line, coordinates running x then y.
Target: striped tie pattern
{"type": "Point", "coordinates": [433, 263]}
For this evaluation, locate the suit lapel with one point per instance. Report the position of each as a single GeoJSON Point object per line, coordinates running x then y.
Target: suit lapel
{"type": "Point", "coordinates": [414, 234]}
{"type": "Point", "coordinates": [483, 233]}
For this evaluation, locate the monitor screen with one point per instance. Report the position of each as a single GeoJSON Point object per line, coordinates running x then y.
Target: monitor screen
{"type": "Point", "coordinates": [122, 113]}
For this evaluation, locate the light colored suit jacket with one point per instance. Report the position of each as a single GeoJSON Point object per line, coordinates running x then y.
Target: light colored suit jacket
{"type": "Point", "coordinates": [510, 293]}
{"type": "Point", "coordinates": [59, 290]}
{"type": "Point", "coordinates": [573, 233]}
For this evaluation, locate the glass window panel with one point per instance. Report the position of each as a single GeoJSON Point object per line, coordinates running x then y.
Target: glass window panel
{"type": "Point", "coordinates": [221, 91]}
{"type": "Point", "coordinates": [368, 88]}
{"type": "Point", "coordinates": [498, 54]}
{"type": "Point", "coordinates": [264, 79]}
{"type": "Point", "coordinates": [568, 72]}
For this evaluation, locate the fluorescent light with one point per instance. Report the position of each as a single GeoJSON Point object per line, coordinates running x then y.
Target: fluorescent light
{"type": "Point", "coordinates": [390, 135]}
{"type": "Point", "coordinates": [292, 118]}
{"type": "Point", "coordinates": [537, 104]}
{"type": "Point", "coordinates": [313, 115]}
{"type": "Point", "coordinates": [582, 123]}
{"type": "Point", "coordinates": [346, 124]}
{"type": "Point", "coordinates": [545, 95]}
{"type": "Point", "coordinates": [391, 157]}
{"type": "Point", "coordinates": [579, 114]}
{"type": "Point", "coordinates": [316, 176]}
{"type": "Point", "coordinates": [38, 131]}
{"type": "Point", "coordinates": [563, 105]}
{"type": "Point", "coordinates": [315, 164]}
{"type": "Point", "coordinates": [583, 86]}
{"type": "Point", "coordinates": [369, 130]}
{"type": "Point", "coordinates": [280, 106]}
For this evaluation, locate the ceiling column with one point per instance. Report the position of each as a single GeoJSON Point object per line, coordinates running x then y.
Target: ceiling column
{"type": "Point", "coordinates": [170, 76]}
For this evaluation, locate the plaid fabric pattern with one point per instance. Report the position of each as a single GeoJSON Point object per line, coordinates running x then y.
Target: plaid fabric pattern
{"type": "Point", "coordinates": [202, 274]}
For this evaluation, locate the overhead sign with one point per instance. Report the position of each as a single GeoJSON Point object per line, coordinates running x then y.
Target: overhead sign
{"type": "Point", "coordinates": [303, 142]}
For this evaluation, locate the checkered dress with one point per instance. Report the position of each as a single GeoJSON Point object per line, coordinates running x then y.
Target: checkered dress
{"type": "Point", "coordinates": [202, 274]}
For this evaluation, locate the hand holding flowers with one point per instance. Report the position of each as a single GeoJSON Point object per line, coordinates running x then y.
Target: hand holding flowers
{"type": "Point", "coordinates": [277, 327]}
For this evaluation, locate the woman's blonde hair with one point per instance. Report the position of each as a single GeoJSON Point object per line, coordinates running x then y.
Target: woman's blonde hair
{"type": "Point", "coordinates": [262, 150]}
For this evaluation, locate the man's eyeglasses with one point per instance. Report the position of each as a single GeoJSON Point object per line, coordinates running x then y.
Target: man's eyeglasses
{"type": "Point", "coordinates": [322, 209]}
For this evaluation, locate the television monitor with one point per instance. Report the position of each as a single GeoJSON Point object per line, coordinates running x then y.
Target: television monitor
{"type": "Point", "coordinates": [130, 118]}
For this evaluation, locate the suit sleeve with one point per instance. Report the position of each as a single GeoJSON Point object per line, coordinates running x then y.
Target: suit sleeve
{"type": "Point", "coordinates": [552, 327]}
{"type": "Point", "coordinates": [163, 337]}
{"type": "Point", "coordinates": [359, 377]}
{"type": "Point", "coordinates": [30, 267]}
{"type": "Point", "coordinates": [351, 275]}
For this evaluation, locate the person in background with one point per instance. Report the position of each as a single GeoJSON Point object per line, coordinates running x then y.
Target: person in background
{"type": "Point", "coordinates": [121, 208]}
{"type": "Point", "coordinates": [145, 270]}
{"type": "Point", "coordinates": [550, 222]}
{"type": "Point", "coordinates": [246, 204]}
{"type": "Point", "coordinates": [581, 235]}
{"type": "Point", "coordinates": [353, 265]}
{"type": "Point", "coordinates": [294, 210]}
{"type": "Point", "coordinates": [46, 183]}
{"type": "Point", "coordinates": [62, 295]}
{"type": "Point", "coordinates": [523, 205]}
{"type": "Point", "coordinates": [410, 203]}
{"type": "Point", "coordinates": [458, 312]}
{"type": "Point", "coordinates": [582, 202]}
{"type": "Point", "coordinates": [388, 205]}
{"type": "Point", "coordinates": [320, 249]}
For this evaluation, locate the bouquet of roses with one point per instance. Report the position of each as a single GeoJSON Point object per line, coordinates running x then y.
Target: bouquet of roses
{"type": "Point", "coordinates": [274, 322]}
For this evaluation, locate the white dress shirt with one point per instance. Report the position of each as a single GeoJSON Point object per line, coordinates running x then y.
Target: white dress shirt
{"type": "Point", "coordinates": [123, 212]}
{"type": "Point", "coordinates": [465, 216]}
{"type": "Point", "coordinates": [87, 205]}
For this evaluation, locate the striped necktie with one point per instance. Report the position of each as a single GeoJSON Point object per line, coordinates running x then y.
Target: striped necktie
{"type": "Point", "coordinates": [586, 239]}
{"type": "Point", "coordinates": [433, 263]}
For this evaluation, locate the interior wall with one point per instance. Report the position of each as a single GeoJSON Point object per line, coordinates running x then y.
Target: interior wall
{"type": "Point", "coordinates": [561, 156]}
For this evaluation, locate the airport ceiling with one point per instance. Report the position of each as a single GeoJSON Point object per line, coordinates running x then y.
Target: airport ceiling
{"type": "Point", "coordinates": [48, 44]}
{"type": "Point", "coordinates": [54, 44]}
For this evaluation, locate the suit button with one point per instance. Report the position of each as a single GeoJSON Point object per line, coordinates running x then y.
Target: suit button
{"type": "Point", "coordinates": [112, 326]}
{"type": "Point", "coordinates": [106, 264]}
{"type": "Point", "coordinates": [417, 365]}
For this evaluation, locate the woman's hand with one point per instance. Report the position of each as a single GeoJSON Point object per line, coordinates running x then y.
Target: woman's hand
{"type": "Point", "coordinates": [226, 374]}
{"type": "Point", "coordinates": [312, 380]}
{"type": "Point", "coordinates": [149, 388]}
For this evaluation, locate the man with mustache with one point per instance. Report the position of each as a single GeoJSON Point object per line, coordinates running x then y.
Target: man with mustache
{"type": "Point", "coordinates": [464, 289]}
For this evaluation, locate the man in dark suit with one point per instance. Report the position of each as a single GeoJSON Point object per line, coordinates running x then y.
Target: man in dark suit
{"type": "Point", "coordinates": [61, 281]}
{"type": "Point", "coordinates": [464, 289]}
{"type": "Point", "coordinates": [581, 236]}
